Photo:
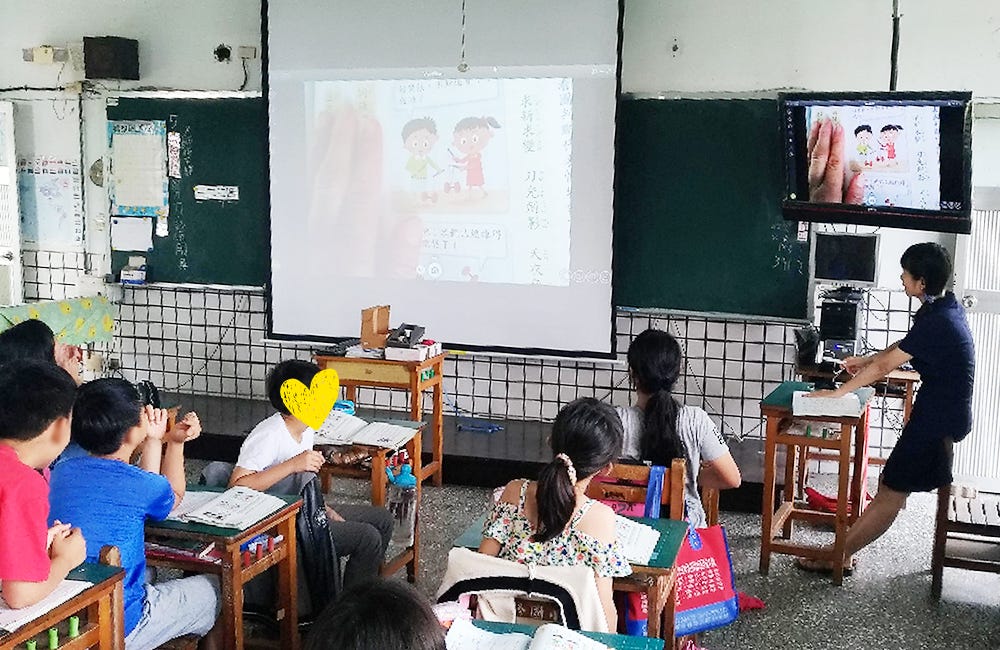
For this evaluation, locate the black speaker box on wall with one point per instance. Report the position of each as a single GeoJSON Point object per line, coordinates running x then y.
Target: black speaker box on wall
{"type": "Point", "coordinates": [110, 57]}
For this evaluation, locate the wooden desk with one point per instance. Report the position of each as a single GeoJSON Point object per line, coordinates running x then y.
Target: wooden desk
{"type": "Point", "coordinates": [100, 607]}
{"type": "Point", "coordinates": [853, 437]}
{"type": "Point", "coordinates": [657, 579]}
{"type": "Point", "coordinates": [410, 556]}
{"type": "Point", "coordinates": [616, 641]}
{"type": "Point", "coordinates": [232, 573]}
{"type": "Point", "coordinates": [414, 376]}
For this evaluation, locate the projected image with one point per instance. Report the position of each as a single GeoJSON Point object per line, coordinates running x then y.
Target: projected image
{"type": "Point", "coordinates": [463, 180]}
{"type": "Point", "coordinates": [892, 154]}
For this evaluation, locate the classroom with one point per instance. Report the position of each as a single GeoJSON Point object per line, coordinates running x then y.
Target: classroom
{"type": "Point", "coordinates": [175, 222]}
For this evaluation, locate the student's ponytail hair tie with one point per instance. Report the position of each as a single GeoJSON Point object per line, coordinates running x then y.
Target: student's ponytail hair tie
{"type": "Point", "coordinates": [570, 470]}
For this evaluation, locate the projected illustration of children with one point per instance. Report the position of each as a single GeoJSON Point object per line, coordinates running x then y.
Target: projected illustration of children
{"type": "Point", "coordinates": [472, 134]}
{"type": "Point", "coordinates": [863, 134]}
{"type": "Point", "coordinates": [419, 137]}
{"type": "Point", "coordinates": [887, 138]}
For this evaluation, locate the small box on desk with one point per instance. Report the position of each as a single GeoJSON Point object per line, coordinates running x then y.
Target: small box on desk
{"type": "Point", "coordinates": [420, 352]}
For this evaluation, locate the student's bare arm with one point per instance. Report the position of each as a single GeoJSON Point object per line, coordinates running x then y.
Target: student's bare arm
{"type": "Point", "coordinates": [67, 552]}
{"type": "Point", "coordinates": [307, 461]}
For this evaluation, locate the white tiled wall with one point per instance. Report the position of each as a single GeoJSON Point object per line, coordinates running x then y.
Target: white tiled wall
{"type": "Point", "coordinates": [208, 340]}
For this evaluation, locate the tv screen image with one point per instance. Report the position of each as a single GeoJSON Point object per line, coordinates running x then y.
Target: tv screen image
{"type": "Point", "coordinates": [900, 160]}
{"type": "Point", "coordinates": [846, 259]}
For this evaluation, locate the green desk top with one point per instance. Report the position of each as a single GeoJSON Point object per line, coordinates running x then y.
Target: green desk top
{"type": "Point", "coordinates": [617, 641]}
{"type": "Point", "coordinates": [663, 557]}
{"type": "Point", "coordinates": [92, 572]}
{"type": "Point", "coordinates": [781, 396]}
{"type": "Point", "coordinates": [204, 529]}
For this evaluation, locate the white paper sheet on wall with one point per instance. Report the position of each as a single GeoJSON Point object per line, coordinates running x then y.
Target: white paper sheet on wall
{"type": "Point", "coordinates": [138, 167]}
{"type": "Point", "coordinates": [131, 233]}
{"type": "Point", "coordinates": [51, 203]}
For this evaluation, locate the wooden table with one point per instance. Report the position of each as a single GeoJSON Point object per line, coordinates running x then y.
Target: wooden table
{"type": "Point", "coordinates": [615, 641]}
{"type": "Point", "coordinates": [410, 556]}
{"type": "Point", "coordinates": [414, 376]}
{"type": "Point", "coordinates": [100, 607]}
{"type": "Point", "coordinates": [851, 453]}
{"type": "Point", "coordinates": [658, 579]}
{"type": "Point", "coordinates": [233, 575]}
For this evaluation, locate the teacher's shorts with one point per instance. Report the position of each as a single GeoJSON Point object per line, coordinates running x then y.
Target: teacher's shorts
{"type": "Point", "coordinates": [918, 463]}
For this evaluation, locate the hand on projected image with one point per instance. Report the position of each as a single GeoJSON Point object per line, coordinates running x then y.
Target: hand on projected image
{"type": "Point", "coordinates": [825, 150]}
{"type": "Point", "coordinates": [347, 207]}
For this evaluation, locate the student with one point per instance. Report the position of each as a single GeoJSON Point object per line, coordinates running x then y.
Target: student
{"type": "Point", "coordinates": [659, 429]}
{"type": "Point", "coordinates": [33, 339]}
{"type": "Point", "coordinates": [550, 522]}
{"type": "Point", "coordinates": [111, 501]}
{"type": "Point", "coordinates": [939, 346]}
{"type": "Point", "coordinates": [282, 445]}
{"type": "Point", "coordinates": [36, 400]}
{"type": "Point", "coordinates": [378, 614]}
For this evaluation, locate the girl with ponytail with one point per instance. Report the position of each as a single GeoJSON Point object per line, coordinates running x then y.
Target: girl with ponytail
{"type": "Point", "coordinates": [658, 428]}
{"type": "Point", "coordinates": [550, 522]}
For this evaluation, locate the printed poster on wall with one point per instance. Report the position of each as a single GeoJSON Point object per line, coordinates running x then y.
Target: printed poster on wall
{"type": "Point", "coordinates": [138, 168]}
{"type": "Point", "coordinates": [51, 203]}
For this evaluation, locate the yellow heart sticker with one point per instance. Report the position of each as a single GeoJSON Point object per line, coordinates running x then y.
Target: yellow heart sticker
{"type": "Point", "coordinates": [313, 403]}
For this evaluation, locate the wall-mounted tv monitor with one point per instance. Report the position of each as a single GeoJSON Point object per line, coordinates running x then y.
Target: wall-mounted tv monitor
{"type": "Point", "coordinates": [898, 159]}
{"type": "Point", "coordinates": [845, 259]}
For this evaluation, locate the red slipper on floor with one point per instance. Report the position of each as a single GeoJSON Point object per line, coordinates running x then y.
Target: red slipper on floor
{"type": "Point", "coordinates": [821, 566]}
{"type": "Point", "coordinates": [748, 602]}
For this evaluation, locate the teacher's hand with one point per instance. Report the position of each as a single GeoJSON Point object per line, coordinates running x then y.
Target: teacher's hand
{"type": "Point", "coordinates": [825, 149]}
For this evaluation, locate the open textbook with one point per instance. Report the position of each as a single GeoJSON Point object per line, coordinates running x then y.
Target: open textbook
{"type": "Point", "coordinates": [12, 619]}
{"type": "Point", "coordinates": [463, 635]}
{"type": "Point", "coordinates": [238, 507]}
{"type": "Point", "coordinates": [850, 405]}
{"type": "Point", "coordinates": [341, 428]}
{"type": "Point", "coordinates": [638, 540]}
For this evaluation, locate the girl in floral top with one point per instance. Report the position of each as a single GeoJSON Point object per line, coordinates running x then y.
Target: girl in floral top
{"type": "Point", "coordinates": [550, 522]}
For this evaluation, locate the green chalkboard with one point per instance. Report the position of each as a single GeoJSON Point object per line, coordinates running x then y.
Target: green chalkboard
{"type": "Point", "coordinates": [222, 143]}
{"type": "Point", "coordinates": [698, 222]}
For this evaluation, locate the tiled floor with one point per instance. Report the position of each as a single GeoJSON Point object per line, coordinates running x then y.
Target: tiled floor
{"type": "Point", "coordinates": [885, 604]}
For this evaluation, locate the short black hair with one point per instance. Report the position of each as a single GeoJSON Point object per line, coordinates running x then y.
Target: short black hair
{"type": "Point", "coordinates": [929, 262]}
{"type": "Point", "coordinates": [890, 127]}
{"type": "Point", "coordinates": [862, 127]}
{"type": "Point", "coordinates": [33, 395]}
{"type": "Point", "coordinates": [30, 339]}
{"type": "Point", "coordinates": [377, 614]}
{"type": "Point", "coordinates": [104, 412]}
{"type": "Point", "coordinates": [304, 371]}
{"type": "Point", "coordinates": [419, 124]}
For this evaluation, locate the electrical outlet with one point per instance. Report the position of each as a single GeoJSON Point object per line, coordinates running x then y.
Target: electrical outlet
{"type": "Point", "coordinates": [114, 363]}
{"type": "Point", "coordinates": [246, 52]}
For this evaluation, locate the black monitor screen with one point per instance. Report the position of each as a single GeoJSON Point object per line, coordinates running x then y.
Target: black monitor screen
{"type": "Point", "coordinates": [901, 160]}
{"type": "Point", "coordinates": [846, 259]}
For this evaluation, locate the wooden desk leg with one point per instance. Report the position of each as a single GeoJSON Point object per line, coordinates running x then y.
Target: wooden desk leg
{"type": "Point", "coordinates": [843, 495]}
{"type": "Point", "coordinates": [791, 453]}
{"type": "Point", "coordinates": [859, 475]}
{"type": "Point", "coordinates": [908, 402]}
{"type": "Point", "coordinates": [324, 480]}
{"type": "Point", "coordinates": [379, 478]}
{"type": "Point", "coordinates": [437, 424]}
{"type": "Point", "coordinates": [415, 445]}
{"type": "Point", "coordinates": [669, 612]}
{"type": "Point", "coordinates": [288, 597]}
{"type": "Point", "coordinates": [654, 606]}
{"type": "Point", "coordinates": [767, 513]}
{"type": "Point", "coordinates": [232, 600]}
{"type": "Point", "coordinates": [351, 392]}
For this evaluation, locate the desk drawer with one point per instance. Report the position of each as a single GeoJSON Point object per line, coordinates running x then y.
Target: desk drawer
{"type": "Point", "coordinates": [362, 373]}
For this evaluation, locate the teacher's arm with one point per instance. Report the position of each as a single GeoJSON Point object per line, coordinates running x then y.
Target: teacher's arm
{"type": "Point", "coordinates": [875, 368]}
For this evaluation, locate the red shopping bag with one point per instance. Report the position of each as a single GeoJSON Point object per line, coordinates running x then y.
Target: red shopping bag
{"type": "Point", "coordinates": [706, 587]}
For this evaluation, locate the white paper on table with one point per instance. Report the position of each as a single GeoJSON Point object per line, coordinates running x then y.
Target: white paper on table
{"type": "Point", "coordinates": [638, 540]}
{"type": "Point", "coordinates": [463, 635]}
{"type": "Point", "coordinates": [11, 619]}
{"type": "Point", "coordinates": [131, 233]}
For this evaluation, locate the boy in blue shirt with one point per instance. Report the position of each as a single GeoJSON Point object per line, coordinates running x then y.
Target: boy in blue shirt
{"type": "Point", "coordinates": [110, 500]}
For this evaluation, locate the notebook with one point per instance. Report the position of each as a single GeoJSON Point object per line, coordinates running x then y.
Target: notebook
{"type": "Point", "coordinates": [12, 619]}
{"type": "Point", "coordinates": [638, 540]}
{"type": "Point", "coordinates": [341, 428]}
{"type": "Point", "coordinates": [463, 635]}
{"type": "Point", "coordinates": [238, 507]}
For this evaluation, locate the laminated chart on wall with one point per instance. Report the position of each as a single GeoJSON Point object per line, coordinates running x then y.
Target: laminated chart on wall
{"type": "Point", "coordinates": [51, 203]}
{"type": "Point", "coordinates": [138, 168]}
{"type": "Point", "coordinates": [75, 322]}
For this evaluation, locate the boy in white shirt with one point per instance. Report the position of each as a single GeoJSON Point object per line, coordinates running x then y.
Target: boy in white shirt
{"type": "Point", "coordinates": [282, 445]}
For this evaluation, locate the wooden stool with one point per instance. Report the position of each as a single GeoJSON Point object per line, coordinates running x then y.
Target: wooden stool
{"type": "Point", "coordinates": [966, 534]}
{"type": "Point", "coordinates": [850, 446]}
